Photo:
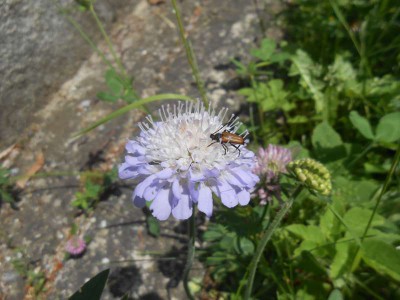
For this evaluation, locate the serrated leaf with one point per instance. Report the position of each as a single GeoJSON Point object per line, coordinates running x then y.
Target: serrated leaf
{"type": "Point", "coordinates": [307, 232]}
{"type": "Point", "coordinates": [92, 289]}
{"type": "Point", "coordinates": [357, 219]}
{"type": "Point", "coordinates": [341, 260]}
{"type": "Point", "coordinates": [107, 97]}
{"type": "Point", "coordinates": [388, 129]}
{"type": "Point", "coordinates": [382, 257]}
{"type": "Point", "coordinates": [362, 125]}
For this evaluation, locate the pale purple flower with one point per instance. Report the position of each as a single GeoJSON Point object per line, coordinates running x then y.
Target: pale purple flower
{"type": "Point", "coordinates": [271, 162]}
{"type": "Point", "coordinates": [177, 166]}
{"type": "Point", "coordinates": [75, 245]}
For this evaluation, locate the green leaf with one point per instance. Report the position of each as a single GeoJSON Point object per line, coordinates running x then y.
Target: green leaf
{"type": "Point", "coordinates": [92, 289]}
{"type": "Point", "coordinates": [265, 51]}
{"type": "Point", "coordinates": [357, 219]}
{"type": "Point", "coordinates": [104, 96]}
{"type": "Point", "coordinates": [382, 257]}
{"type": "Point", "coordinates": [341, 262]}
{"type": "Point", "coordinates": [388, 129]}
{"type": "Point", "coordinates": [308, 233]}
{"type": "Point", "coordinates": [324, 136]}
{"type": "Point", "coordinates": [136, 105]}
{"type": "Point", "coordinates": [362, 125]}
{"type": "Point", "coordinates": [335, 295]}
{"type": "Point", "coordinates": [153, 226]}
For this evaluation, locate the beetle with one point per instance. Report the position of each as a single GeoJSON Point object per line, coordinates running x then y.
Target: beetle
{"type": "Point", "coordinates": [227, 137]}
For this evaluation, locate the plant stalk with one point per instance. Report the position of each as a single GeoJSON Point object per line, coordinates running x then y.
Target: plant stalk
{"type": "Point", "coordinates": [266, 237]}
{"type": "Point", "coordinates": [190, 256]}
{"type": "Point", "coordinates": [190, 55]}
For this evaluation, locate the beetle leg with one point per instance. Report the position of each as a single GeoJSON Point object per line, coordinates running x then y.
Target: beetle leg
{"type": "Point", "coordinates": [236, 147]}
{"type": "Point", "coordinates": [225, 148]}
{"type": "Point", "coordinates": [213, 143]}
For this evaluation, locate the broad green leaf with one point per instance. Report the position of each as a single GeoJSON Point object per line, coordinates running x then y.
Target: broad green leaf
{"type": "Point", "coordinates": [335, 295]}
{"type": "Point", "coordinates": [341, 260]}
{"type": "Point", "coordinates": [136, 105]}
{"type": "Point", "coordinates": [307, 232]}
{"type": "Point", "coordinates": [383, 257]}
{"type": "Point", "coordinates": [362, 125]}
{"type": "Point", "coordinates": [354, 191]}
{"type": "Point", "coordinates": [388, 129]}
{"type": "Point", "coordinates": [324, 136]}
{"type": "Point", "coordinates": [92, 289]}
{"type": "Point", "coordinates": [357, 219]}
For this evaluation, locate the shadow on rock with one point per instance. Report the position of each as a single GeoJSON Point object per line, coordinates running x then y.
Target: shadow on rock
{"type": "Point", "coordinates": [173, 269]}
{"type": "Point", "coordinates": [124, 280]}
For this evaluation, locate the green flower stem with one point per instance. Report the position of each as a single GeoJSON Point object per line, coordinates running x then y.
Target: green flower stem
{"type": "Point", "coordinates": [190, 55]}
{"type": "Point", "coordinates": [88, 40]}
{"type": "Point", "coordinates": [354, 261]}
{"type": "Point", "coordinates": [190, 256]}
{"type": "Point", "coordinates": [109, 44]}
{"type": "Point", "coordinates": [135, 105]}
{"type": "Point", "coordinates": [266, 237]}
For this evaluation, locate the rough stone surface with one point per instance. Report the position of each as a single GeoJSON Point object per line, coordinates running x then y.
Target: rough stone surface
{"type": "Point", "coordinates": [39, 50]}
{"type": "Point", "coordinates": [146, 39]}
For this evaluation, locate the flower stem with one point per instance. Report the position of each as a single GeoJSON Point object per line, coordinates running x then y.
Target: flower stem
{"type": "Point", "coordinates": [107, 39]}
{"type": "Point", "coordinates": [190, 256]}
{"type": "Point", "coordinates": [190, 55]}
{"type": "Point", "coordinates": [354, 261]}
{"type": "Point", "coordinates": [266, 237]}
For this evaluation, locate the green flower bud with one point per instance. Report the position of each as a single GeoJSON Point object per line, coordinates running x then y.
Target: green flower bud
{"type": "Point", "coordinates": [314, 175]}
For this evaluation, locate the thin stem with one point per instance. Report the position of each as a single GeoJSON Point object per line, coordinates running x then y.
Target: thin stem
{"type": "Point", "coordinates": [378, 201]}
{"type": "Point", "coordinates": [109, 44]}
{"type": "Point", "coordinates": [191, 251]}
{"type": "Point", "coordinates": [266, 237]}
{"type": "Point", "coordinates": [84, 36]}
{"type": "Point", "coordinates": [190, 55]}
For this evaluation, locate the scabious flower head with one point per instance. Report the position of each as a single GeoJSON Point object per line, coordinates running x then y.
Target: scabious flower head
{"type": "Point", "coordinates": [75, 245]}
{"type": "Point", "coordinates": [272, 161]}
{"type": "Point", "coordinates": [177, 164]}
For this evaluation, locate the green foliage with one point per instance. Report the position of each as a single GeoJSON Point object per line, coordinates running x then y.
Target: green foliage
{"type": "Point", "coordinates": [119, 87]}
{"type": "Point", "coordinates": [92, 289]}
{"type": "Point", "coordinates": [93, 186]}
{"type": "Point", "coordinates": [5, 186]}
{"type": "Point", "coordinates": [328, 91]}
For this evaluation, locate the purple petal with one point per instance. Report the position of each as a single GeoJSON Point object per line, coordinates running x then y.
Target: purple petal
{"type": "Point", "coordinates": [196, 176]}
{"type": "Point", "coordinates": [126, 171]}
{"type": "Point", "coordinates": [152, 190]}
{"type": "Point", "coordinates": [165, 174]}
{"type": "Point", "coordinates": [135, 160]}
{"type": "Point", "coordinates": [141, 187]}
{"type": "Point", "coordinates": [176, 189]}
{"type": "Point", "coordinates": [161, 207]}
{"type": "Point", "coordinates": [138, 201]}
{"type": "Point", "coordinates": [228, 194]}
{"type": "Point", "coordinates": [183, 209]}
{"type": "Point", "coordinates": [205, 201]}
{"type": "Point", "coordinates": [244, 197]}
{"type": "Point", "coordinates": [134, 147]}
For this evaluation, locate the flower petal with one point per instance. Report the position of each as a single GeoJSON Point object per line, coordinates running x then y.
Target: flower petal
{"type": "Point", "coordinates": [243, 197]}
{"type": "Point", "coordinates": [228, 194]}
{"type": "Point", "coordinates": [183, 209]}
{"type": "Point", "coordinates": [161, 206]}
{"type": "Point", "coordinates": [141, 187]}
{"type": "Point", "coordinates": [126, 171]}
{"type": "Point", "coordinates": [205, 201]}
{"type": "Point", "coordinates": [138, 201]}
